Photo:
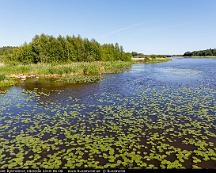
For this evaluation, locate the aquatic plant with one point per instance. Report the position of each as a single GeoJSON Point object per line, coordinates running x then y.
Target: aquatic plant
{"type": "Point", "coordinates": [152, 125]}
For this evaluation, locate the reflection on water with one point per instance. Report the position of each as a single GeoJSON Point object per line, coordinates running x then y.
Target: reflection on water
{"type": "Point", "coordinates": [153, 116]}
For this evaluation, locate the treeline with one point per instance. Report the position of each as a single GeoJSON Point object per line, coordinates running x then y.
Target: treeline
{"type": "Point", "coordinates": [48, 49]}
{"type": "Point", "coordinates": [137, 55]}
{"type": "Point", "coordinates": [207, 52]}
{"type": "Point", "coordinates": [141, 55]}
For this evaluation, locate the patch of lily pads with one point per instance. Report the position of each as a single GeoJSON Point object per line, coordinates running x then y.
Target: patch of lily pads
{"type": "Point", "coordinates": [157, 127]}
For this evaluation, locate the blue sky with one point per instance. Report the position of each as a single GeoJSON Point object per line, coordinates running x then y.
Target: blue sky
{"type": "Point", "coordinates": [148, 26]}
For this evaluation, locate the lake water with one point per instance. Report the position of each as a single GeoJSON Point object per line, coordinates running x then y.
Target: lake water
{"type": "Point", "coordinates": [151, 116]}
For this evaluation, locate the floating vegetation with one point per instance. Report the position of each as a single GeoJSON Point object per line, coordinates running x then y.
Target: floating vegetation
{"type": "Point", "coordinates": [168, 125]}
{"type": "Point", "coordinates": [80, 79]}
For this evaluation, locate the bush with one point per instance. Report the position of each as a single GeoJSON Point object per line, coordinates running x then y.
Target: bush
{"type": "Point", "coordinates": [91, 69]}
{"type": "Point", "coordinates": [2, 77]}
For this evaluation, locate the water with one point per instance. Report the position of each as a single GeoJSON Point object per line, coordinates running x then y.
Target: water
{"type": "Point", "coordinates": [152, 116]}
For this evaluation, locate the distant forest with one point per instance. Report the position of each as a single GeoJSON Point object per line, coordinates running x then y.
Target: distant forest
{"type": "Point", "coordinates": [207, 52]}
{"type": "Point", "coordinates": [48, 49]}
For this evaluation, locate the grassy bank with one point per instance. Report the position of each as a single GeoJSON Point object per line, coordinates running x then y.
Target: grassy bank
{"type": "Point", "coordinates": [5, 82]}
{"type": "Point", "coordinates": [79, 72]}
{"type": "Point", "coordinates": [76, 72]}
{"type": "Point", "coordinates": [150, 59]}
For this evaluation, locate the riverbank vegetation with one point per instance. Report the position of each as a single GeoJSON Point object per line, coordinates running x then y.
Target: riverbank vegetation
{"type": "Point", "coordinates": [5, 51]}
{"type": "Point", "coordinates": [76, 72]}
{"type": "Point", "coordinates": [141, 58]}
{"type": "Point", "coordinates": [61, 57]}
{"type": "Point", "coordinates": [206, 53]}
{"type": "Point", "coordinates": [71, 58]}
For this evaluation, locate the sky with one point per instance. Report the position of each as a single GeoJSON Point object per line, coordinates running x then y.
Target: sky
{"type": "Point", "coordinates": [147, 26]}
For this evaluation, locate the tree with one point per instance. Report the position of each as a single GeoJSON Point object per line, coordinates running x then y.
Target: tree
{"type": "Point", "coordinates": [207, 52]}
{"type": "Point", "coordinates": [49, 49]}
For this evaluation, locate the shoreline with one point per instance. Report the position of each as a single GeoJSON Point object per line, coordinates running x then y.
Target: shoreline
{"type": "Point", "coordinates": [199, 56]}
{"type": "Point", "coordinates": [74, 72]}
{"type": "Point", "coordinates": [150, 60]}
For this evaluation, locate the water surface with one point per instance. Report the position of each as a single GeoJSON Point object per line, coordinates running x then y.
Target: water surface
{"type": "Point", "coordinates": [152, 116]}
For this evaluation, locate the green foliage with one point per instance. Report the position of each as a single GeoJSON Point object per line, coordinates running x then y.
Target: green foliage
{"type": "Point", "coordinates": [141, 55]}
{"type": "Point", "coordinates": [207, 52]}
{"type": "Point", "coordinates": [79, 79]}
{"type": "Point", "coordinates": [49, 49]}
{"type": "Point", "coordinates": [5, 52]}
{"type": "Point", "coordinates": [2, 77]}
{"type": "Point", "coordinates": [141, 58]}
{"type": "Point", "coordinates": [90, 69]}
{"type": "Point", "coordinates": [7, 83]}
{"type": "Point", "coordinates": [76, 68]}
{"type": "Point", "coordinates": [77, 72]}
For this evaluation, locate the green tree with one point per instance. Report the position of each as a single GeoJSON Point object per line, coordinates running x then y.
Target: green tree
{"type": "Point", "coordinates": [49, 49]}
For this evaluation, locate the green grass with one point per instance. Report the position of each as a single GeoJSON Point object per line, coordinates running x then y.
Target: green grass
{"type": "Point", "coordinates": [78, 72]}
{"type": "Point", "coordinates": [150, 59]}
{"type": "Point", "coordinates": [7, 83]}
{"type": "Point", "coordinates": [2, 77]}
{"type": "Point", "coordinates": [158, 60]}
{"type": "Point", "coordinates": [4, 82]}
{"type": "Point", "coordinates": [81, 68]}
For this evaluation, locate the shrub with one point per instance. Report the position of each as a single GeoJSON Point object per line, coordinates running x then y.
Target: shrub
{"type": "Point", "coordinates": [2, 77]}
